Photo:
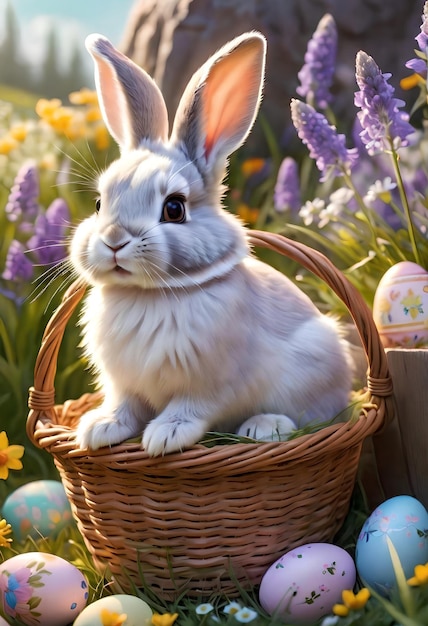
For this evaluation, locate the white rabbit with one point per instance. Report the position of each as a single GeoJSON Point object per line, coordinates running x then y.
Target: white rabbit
{"type": "Point", "coordinates": [187, 330]}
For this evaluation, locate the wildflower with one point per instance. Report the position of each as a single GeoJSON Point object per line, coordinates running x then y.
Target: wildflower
{"type": "Point", "coordinates": [311, 210]}
{"type": "Point", "coordinates": [204, 609]}
{"type": "Point", "coordinates": [338, 201]}
{"type": "Point", "coordinates": [247, 214]}
{"type": "Point", "coordinates": [22, 203]}
{"type": "Point", "coordinates": [420, 577]}
{"type": "Point", "coordinates": [5, 530]}
{"type": "Point", "coordinates": [7, 144]}
{"type": "Point", "coordinates": [351, 601]}
{"type": "Point", "coordinates": [49, 232]}
{"type": "Point", "coordinates": [325, 145]}
{"type": "Point", "coordinates": [408, 82]}
{"type": "Point", "coordinates": [19, 132]}
{"type": "Point", "coordinates": [252, 166]}
{"type": "Point", "coordinates": [9, 456]}
{"type": "Point", "coordinates": [232, 608]}
{"type": "Point", "coordinates": [93, 114]}
{"type": "Point", "coordinates": [246, 615]}
{"type": "Point", "coordinates": [316, 75]}
{"type": "Point", "coordinates": [84, 96]}
{"type": "Point", "coordinates": [166, 619]}
{"type": "Point", "coordinates": [384, 126]}
{"type": "Point", "coordinates": [101, 137]}
{"type": "Point", "coordinates": [46, 108]}
{"type": "Point", "coordinates": [287, 188]}
{"type": "Point", "coordinates": [381, 189]}
{"type": "Point", "coordinates": [418, 64]}
{"type": "Point", "coordinates": [18, 268]}
{"type": "Point", "coordinates": [110, 618]}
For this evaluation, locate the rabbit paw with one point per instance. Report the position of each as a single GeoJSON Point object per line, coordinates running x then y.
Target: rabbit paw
{"type": "Point", "coordinates": [267, 427]}
{"type": "Point", "coordinates": [171, 433]}
{"type": "Point", "coordinates": [100, 427]}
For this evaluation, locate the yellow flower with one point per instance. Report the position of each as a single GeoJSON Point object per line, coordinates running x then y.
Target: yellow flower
{"type": "Point", "coordinates": [351, 601]}
{"type": "Point", "coordinates": [252, 166]}
{"type": "Point", "coordinates": [101, 137]}
{"type": "Point", "coordinates": [93, 114]}
{"type": "Point", "coordinates": [247, 214]}
{"type": "Point", "coordinates": [84, 96]}
{"type": "Point", "coordinates": [46, 108]}
{"type": "Point", "coordinates": [5, 530]}
{"type": "Point", "coordinates": [167, 619]}
{"type": "Point", "coordinates": [7, 144]}
{"type": "Point", "coordinates": [408, 82]}
{"type": "Point", "coordinates": [420, 577]}
{"type": "Point", "coordinates": [109, 618]}
{"type": "Point", "coordinates": [19, 132]}
{"type": "Point", "coordinates": [9, 456]}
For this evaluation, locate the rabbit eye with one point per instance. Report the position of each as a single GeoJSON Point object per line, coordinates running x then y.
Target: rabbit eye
{"type": "Point", "coordinates": [174, 210]}
{"type": "Point", "coordinates": [98, 205]}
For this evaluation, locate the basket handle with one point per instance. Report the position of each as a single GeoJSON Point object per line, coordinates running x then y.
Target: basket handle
{"type": "Point", "coordinates": [42, 394]}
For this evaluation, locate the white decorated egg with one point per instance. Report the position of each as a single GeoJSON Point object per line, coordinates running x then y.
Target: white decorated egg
{"type": "Point", "coordinates": [41, 589]}
{"type": "Point", "coordinates": [3, 622]}
{"type": "Point", "coordinates": [403, 520]}
{"type": "Point", "coordinates": [138, 612]}
{"type": "Point", "coordinates": [400, 306]}
{"type": "Point", "coordinates": [305, 583]}
{"type": "Point", "coordinates": [37, 508]}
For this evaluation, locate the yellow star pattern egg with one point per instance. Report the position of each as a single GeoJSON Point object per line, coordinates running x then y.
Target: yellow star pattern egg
{"type": "Point", "coordinates": [117, 610]}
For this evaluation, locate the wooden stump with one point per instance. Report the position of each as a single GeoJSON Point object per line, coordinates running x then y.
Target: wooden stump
{"type": "Point", "coordinates": [395, 461]}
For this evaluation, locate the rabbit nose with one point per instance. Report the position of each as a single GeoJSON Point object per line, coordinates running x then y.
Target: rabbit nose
{"type": "Point", "coordinates": [115, 237]}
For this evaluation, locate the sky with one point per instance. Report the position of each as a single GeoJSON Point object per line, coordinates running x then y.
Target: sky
{"type": "Point", "coordinates": [73, 21]}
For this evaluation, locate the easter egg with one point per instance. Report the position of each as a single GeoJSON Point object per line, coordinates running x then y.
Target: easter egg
{"type": "Point", "coordinates": [37, 508]}
{"type": "Point", "coordinates": [400, 306]}
{"type": "Point", "coordinates": [404, 521]}
{"type": "Point", "coordinates": [3, 622]}
{"type": "Point", "coordinates": [39, 588]}
{"type": "Point", "coordinates": [305, 583]}
{"type": "Point", "coordinates": [138, 612]}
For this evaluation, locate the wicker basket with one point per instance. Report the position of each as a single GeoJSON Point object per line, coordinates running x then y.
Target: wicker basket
{"type": "Point", "coordinates": [203, 520]}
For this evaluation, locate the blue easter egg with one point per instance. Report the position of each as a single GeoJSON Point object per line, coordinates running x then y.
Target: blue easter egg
{"type": "Point", "coordinates": [404, 521]}
{"type": "Point", "coordinates": [39, 508]}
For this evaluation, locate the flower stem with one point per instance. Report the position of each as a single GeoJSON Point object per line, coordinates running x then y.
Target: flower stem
{"type": "Point", "coordinates": [406, 206]}
{"type": "Point", "coordinates": [362, 206]}
{"type": "Point", "coordinates": [8, 349]}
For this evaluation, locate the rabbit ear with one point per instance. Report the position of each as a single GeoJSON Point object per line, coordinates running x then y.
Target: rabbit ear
{"type": "Point", "coordinates": [221, 101]}
{"type": "Point", "coordinates": [132, 105]}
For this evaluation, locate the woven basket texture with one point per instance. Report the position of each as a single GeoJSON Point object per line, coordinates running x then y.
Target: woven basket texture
{"type": "Point", "coordinates": [207, 520]}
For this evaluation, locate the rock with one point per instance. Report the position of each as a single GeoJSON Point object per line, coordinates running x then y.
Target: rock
{"type": "Point", "coordinates": [171, 38]}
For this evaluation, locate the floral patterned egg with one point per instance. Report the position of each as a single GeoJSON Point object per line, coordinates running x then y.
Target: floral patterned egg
{"type": "Point", "coordinates": [304, 584]}
{"type": "Point", "coordinates": [37, 508]}
{"type": "Point", "coordinates": [404, 521]}
{"type": "Point", "coordinates": [400, 306]}
{"type": "Point", "coordinates": [41, 589]}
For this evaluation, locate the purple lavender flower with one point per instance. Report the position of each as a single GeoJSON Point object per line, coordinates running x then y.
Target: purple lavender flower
{"type": "Point", "coordinates": [18, 265]}
{"type": "Point", "coordinates": [384, 126]}
{"type": "Point", "coordinates": [417, 64]}
{"type": "Point", "coordinates": [324, 143]}
{"type": "Point", "coordinates": [47, 243]}
{"type": "Point", "coordinates": [22, 204]}
{"type": "Point", "coordinates": [287, 189]}
{"type": "Point", "coordinates": [316, 75]}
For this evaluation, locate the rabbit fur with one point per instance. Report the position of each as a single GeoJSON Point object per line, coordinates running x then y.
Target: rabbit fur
{"type": "Point", "coordinates": [188, 332]}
